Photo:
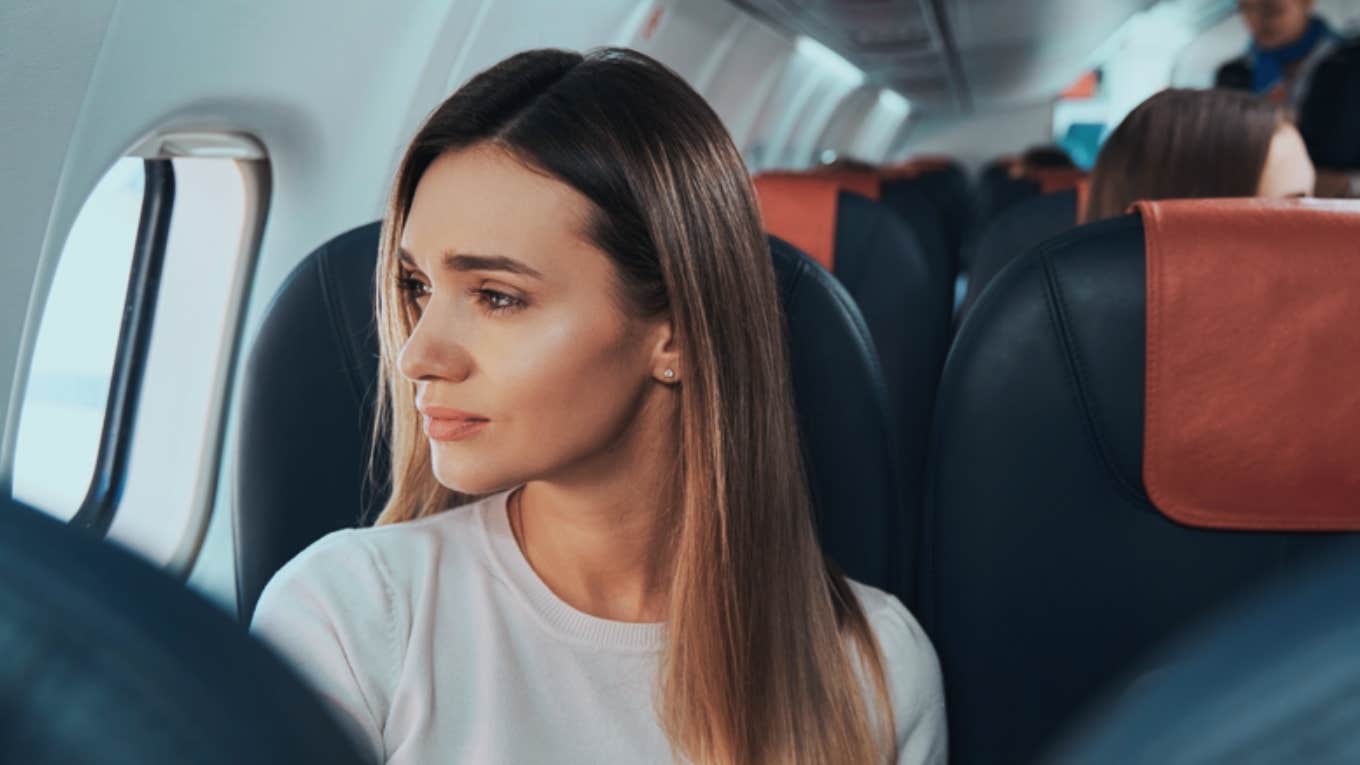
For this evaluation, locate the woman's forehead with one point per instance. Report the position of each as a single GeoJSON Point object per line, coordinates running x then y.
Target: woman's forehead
{"type": "Point", "coordinates": [482, 200]}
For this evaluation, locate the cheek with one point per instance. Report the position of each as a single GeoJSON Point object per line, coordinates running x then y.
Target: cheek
{"type": "Point", "coordinates": [1267, 31]}
{"type": "Point", "coordinates": [558, 388]}
{"type": "Point", "coordinates": [573, 375]}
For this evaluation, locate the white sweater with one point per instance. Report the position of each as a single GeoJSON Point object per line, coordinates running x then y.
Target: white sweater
{"type": "Point", "coordinates": [436, 642]}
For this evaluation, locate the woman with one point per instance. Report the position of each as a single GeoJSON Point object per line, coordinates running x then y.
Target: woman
{"type": "Point", "coordinates": [1182, 144]}
{"type": "Point", "coordinates": [579, 325]}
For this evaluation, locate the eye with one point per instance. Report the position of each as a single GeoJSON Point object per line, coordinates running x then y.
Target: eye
{"type": "Point", "coordinates": [412, 288]}
{"type": "Point", "coordinates": [496, 302]}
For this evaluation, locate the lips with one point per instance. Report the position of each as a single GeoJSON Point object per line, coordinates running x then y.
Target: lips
{"type": "Point", "coordinates": [447, 424]}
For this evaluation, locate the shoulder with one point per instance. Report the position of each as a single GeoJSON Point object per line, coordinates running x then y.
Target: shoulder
{"type": "Point", "coordinates": [387, 555]}
{"type": "Point", "coordinates": [341, 611]}
{"type": "Point", "coordinates": [897, 631]}
{"type": "Point", "coordinates": [364, 580]}
{"type": "Point", "coordinates": [1342, 57]}
{"type": "Point", "coordinates": [913, 674]}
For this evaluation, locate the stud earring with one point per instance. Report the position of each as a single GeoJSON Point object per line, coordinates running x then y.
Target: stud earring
{"type": "Point", "coordinates": [669, 374]}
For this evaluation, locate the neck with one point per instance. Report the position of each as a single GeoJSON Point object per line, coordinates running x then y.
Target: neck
{"type": "Point", "coordinates": [598, 534]}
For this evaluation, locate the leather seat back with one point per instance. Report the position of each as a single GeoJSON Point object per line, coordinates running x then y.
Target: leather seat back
{"type": "Point", "coordinates": [930, 194]}
{"type": "Point", "coordinates": [1048, 570]}
{"type": "Point", "coordinates": [1012, 233]}
{"type": "Point", "coordinates": [947, 187]}
{"type": "Point", "coordinates": [923, 217]}
{"type": "Point", "coordinates": [105, 659]}
{"type": "Point", "coordinates": [1186, 704]}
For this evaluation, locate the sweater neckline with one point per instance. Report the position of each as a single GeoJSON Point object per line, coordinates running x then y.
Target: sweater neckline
{"type": "Point", "coordinates": [556, 614]}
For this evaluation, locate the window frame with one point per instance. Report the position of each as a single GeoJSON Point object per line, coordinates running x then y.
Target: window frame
{"type": "Point", "coordinates": [178, 553]}
{"type": "Point", "coordinates": [134, 336]}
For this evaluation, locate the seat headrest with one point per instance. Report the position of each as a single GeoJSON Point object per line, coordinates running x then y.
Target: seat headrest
{"type": "Point", "coordinates": [918, 166]}
{"type": "Point", "coordinates": [1054, 179]}
{"type": "Point", "coordinates": [302, 466]}
{"type": "Point", "coordinates": [801, 208]}
{"type": "Point", "coordinates": [865, 184]}
{"type": "Point", "coordinates": [307, 409]}
{"type": "Point", "coordinates": [107, 659]}
{"type": "Point", "coordinates": [1252, 411]}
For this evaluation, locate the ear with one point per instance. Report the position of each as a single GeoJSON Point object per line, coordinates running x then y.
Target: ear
{"type": "Point", "coordinates": [665, 359]}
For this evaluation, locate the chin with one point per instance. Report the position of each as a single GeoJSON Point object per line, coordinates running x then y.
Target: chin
{"type": "Point", "coordinates": [467, 475]}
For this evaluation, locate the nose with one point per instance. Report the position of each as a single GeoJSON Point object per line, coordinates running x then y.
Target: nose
{"type": "Point", "coordinates": [433, 353]}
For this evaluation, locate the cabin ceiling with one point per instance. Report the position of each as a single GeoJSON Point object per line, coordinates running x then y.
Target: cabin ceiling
{"type": "Point", "coordinates": [958, 56]}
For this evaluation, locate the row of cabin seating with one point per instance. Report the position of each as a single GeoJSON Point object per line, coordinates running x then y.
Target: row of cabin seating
{"type": "Point", "coordinates": [1030, 545]}
{"type": "Point", "coordinates": [963, 230]}
{"type": "Point", "coordinates": [959, 229]}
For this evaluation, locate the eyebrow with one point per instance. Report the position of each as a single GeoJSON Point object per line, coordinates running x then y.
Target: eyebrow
{"type": "Point", "coordinates": [453, 261]}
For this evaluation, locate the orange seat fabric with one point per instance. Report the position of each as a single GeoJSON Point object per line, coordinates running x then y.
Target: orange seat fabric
{"type": "Point", "coordinates": [1252, 393]}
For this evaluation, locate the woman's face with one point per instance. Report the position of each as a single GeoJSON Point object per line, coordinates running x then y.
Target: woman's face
{"type": "Point", "coordinates": [1288, 171]}
{"type": "Point", "coordinates": [526, 361]}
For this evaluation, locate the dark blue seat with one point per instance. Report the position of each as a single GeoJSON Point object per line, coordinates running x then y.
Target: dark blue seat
{"type": "Point", "coordinates": [923, 217]}
{"type": "Point", "coordinates": [948, 189]}
{"type": "Point", "coordinates": [907, 304]}
{"type": "Point", "coordinates": [105, 659]}
{"type": "Point", "coordinates": [1012, 232]}
{"type": "Point", "coordinates": [1274, 678]}
{"type": "Point", "coordinates": [1047, 569]}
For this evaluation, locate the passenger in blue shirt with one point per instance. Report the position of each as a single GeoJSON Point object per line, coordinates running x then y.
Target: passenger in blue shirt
{"type": "Point", "coordinates": [1297, 59]}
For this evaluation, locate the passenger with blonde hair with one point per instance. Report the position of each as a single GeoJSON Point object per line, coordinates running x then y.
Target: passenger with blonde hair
{"type": "Point", "coordinates": [599, 546]}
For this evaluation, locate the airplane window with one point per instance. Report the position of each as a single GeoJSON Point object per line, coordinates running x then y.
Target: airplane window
{"type": "Point", "coordinates": [176, 443]}
{"type": "Point", "coordinates": [122, 420]}
{"type": "Point", "coordinates": [62, 410]}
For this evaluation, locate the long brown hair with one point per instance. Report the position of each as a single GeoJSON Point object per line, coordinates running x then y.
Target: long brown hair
{"type": "Point", "coordinates": [765, 644]}
{"type": "Point", "coordinates": [1185, 144]}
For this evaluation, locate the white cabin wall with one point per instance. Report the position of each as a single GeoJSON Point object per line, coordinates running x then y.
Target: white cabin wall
{"type": "Point", "coordinates": [843, 127]}
{"type": "Point", "coordinates": [744, 80]}
{"type": "Point", "coordinates": [877, 128]}
{"type": "Point", "coordinates": [690, 36]}
{"type": "Point", "coordinates": [813, 85]}
{"type": "Point", "coordinates": [803, 146]}
{"type": "Point", "coordinates": [864, 125]}
{"type": "Point", "coordinates": [46, 63]}
{"type": "Point", "coordinates": [498, 29]}
{"type": "Point", "coordinates": [731, 58]}
{"type": "Point", "coordinates": [979, 138]}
